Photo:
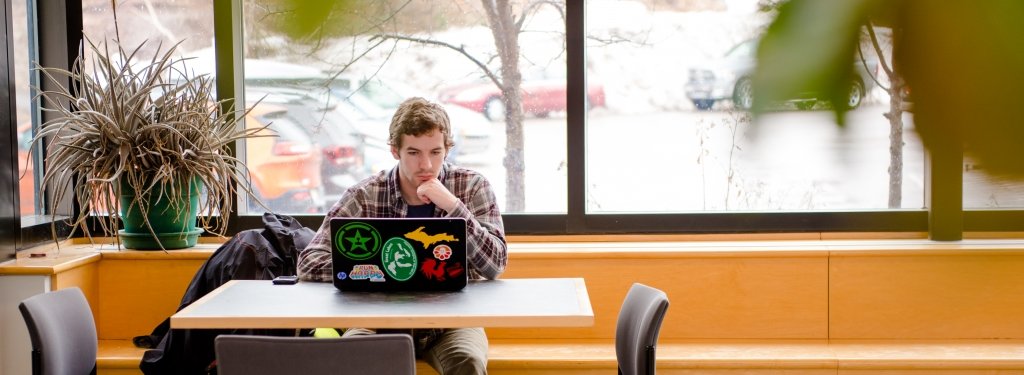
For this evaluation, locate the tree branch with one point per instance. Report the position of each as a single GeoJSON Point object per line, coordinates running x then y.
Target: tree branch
{"type": "Point", "coordinates": [155, 19]}
{"type": "Point", "coordinates": [533, 6]}
{"type": "Point", "coordinates": [864, 63]}
{"type": "Point", "coordinates": [878, 49]}
{"type": "Point", "coordinates": [460, 49]}
{"type": "Point", "coordinates": [345, 67]}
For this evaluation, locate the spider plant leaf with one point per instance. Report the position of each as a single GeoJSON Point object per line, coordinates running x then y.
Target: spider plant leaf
{"type": "Point", "coordinates": [148, 125]}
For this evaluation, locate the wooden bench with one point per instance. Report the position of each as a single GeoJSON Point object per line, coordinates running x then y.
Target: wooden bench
{"type": "Point", "coordinates": [794, 307]}
{"type": "Point", "coordinates": [566, 356]}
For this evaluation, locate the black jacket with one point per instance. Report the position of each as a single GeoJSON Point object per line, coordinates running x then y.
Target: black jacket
{"type": "Point", "coordinates": [250, 255]}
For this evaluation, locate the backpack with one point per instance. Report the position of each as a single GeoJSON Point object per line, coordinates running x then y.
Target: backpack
{"type": "Point", "coordinates": [252, 254]}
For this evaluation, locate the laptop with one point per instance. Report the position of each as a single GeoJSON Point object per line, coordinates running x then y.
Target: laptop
{"type": "Point", "coordinates": [399, 254]}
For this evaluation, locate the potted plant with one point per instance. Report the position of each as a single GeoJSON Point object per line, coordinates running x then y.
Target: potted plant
{"type": "Point", "coordinates": [147, 140]}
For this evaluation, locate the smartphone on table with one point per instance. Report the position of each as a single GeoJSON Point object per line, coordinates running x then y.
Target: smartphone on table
{"type": "Point", "coordinates": [286, 280]}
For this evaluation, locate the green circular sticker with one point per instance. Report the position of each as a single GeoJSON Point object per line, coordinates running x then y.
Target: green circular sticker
{"type": "Point", "coordinates": [357, 241]}
{"type": "Point", "coordinates": [399, 259]}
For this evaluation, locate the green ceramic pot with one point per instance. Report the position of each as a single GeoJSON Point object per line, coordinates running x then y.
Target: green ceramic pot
{"type": "Point", "coordinates": [173, 219]}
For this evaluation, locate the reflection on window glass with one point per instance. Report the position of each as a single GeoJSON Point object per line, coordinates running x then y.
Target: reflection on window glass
{"type": "Point", "coordinates": [342, 87]}
{"type": "Point", "coordinates": [676, 136]}
{"type": "Point", "coordinates": [155, 22]}
{"type": "Point", "coordinates": [984, 190]}
{"type": "Point", "coordinates": [23, 116]}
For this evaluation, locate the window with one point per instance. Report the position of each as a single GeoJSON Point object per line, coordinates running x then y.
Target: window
{"type": "Point", "coordinates": [676, 135]}
{"type": "Point", "coordinates": [345, 84]}
{"type": "Point", "coordinates": [157, 23]}
{"type": "Point", "coordinates": [146, 30]}
{"type": "Point", "coordinates": [983, 190]}
{"type": "Point", "coordinates": [631, 115]}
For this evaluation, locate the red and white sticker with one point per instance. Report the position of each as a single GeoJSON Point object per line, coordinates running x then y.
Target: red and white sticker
{"type": "Point", "coordinates": [442, 252]}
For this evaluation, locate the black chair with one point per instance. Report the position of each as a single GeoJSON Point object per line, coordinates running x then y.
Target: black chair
{"type": "Point", "coordinates": [636, 333]}
{"type": "Point", "coordinates": [63, 332]}
{"type": "Point", "coordinates": [264, 355]}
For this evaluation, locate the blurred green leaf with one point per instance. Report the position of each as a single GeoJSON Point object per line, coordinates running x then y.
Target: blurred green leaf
{"type": "Point", "coordinates": [964, 62]}
{"type": "Point", "coordinates": [311, 19]}
{"type": "Point", "coordinates": [808, 51]}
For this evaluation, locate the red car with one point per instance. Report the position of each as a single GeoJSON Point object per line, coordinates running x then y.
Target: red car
{"type": "Point", "coordinates": [540, 97]}
{"type": "Point", "coordinates": [26, 171]}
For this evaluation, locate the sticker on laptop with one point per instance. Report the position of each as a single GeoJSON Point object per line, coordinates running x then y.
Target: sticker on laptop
{"type": "Point", "coordinates": [442, 252]}
{"type": "Point", "coordinates": [357, 241]}
{"type": "Point", "coordinates": [440, 270]}
{"type": "Point", "coordinates": [399, 259]}
{"type": "Point", "coordinates": [422, 237]}
{"type": "Point", "coordinates": [366, 272]}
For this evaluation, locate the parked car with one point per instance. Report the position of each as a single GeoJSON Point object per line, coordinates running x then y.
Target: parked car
{"type": "Point", "coordinates": [342, 147]}
{"type": "Point", "coordinates": [541, 96]}
{"type": "Point", "coordinates": [284, 163]}
{"type": "Point", "coordinates": [26, 171]}
{"type": "Point", "coordinates": [375, 101]}
{"type": "Point", "coordinates": [301, 92]}
{"type": "Point", "coordinates": [729, 79]}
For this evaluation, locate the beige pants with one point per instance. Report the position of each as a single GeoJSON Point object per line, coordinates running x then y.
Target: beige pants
{"type": "Point", "coordinates": [458, 351]}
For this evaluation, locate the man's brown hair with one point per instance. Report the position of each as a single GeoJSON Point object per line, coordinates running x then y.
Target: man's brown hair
{"type": "Point", "coordinates": [417, 116]}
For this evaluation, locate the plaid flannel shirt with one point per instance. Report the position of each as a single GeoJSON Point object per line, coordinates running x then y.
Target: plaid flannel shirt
{"type": "Point", "coordinates": [380, 196]}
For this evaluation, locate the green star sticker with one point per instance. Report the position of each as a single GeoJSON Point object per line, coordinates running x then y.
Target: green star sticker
{"type": "Point", "coordinates": [357, 241]}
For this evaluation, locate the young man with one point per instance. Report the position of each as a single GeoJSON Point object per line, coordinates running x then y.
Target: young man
{"type": "Point", "coordinates": [423, 185]}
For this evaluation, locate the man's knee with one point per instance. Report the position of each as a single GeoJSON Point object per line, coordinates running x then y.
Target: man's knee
{"type": "Point", "coordinates": [464, 363]}
{"type": "Point", "coordinates": [461, 351]}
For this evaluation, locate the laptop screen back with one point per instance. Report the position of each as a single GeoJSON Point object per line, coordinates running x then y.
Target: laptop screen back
{"type": "Point", "coordinates": [399, 254]}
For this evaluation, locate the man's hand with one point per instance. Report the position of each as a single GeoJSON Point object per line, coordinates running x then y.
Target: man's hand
{"type": "Point", "coordinates": [432, 191]}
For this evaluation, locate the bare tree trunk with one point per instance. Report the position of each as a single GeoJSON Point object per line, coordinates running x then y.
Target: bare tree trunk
{"type": "Point", "coordinates": [506, 39]}
{"type": "Point", "coordinates": [895, 115]}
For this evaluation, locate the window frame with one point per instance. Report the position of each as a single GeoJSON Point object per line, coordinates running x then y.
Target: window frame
{"type": "Point", "coordinates": [57, 35]}
{"type": "Point", "coordinates": [9, 208]}
{"type": "Point", "coordinates": [943, 218]}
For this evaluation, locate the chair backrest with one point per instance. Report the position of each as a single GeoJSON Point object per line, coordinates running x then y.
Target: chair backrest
{"type": "Point", "coordinates": [371, 354]}
{"type": "Point", "coordinates": [63, 332]}
{"type": "Point", "coordinates": [636, 333]}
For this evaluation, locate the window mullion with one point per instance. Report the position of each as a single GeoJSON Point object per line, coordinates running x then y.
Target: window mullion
{"type": "Point", "coordinates": [227, 26]}
{"type": "Point", "coordinates": [944, 189]}
{"type": "Point", "coordinates": [575, 29]}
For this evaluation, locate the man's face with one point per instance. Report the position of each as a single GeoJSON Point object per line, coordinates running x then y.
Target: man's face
{"type": "Point", "coordinates": [420, 158]}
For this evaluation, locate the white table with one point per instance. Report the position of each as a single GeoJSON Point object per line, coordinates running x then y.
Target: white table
{"type": "Point", "coordinates": [555, 302]}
